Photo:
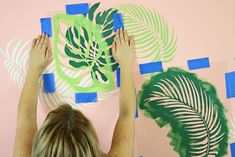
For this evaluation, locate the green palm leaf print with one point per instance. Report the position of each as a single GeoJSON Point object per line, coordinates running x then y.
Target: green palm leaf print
{"type": "Point", "coordinates": [151, 33]}
{"type": "Point", "coordinates": [191, 108]}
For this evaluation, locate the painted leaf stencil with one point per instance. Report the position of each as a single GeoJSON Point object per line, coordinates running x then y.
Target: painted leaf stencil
{"type": "Point", "coordinates": [16, 56]}
{"type": "Point", "coordinates": [191, 108]}
{"type": "Point", "coordinates": [153, 39]}
{"type": "Point", "coordinates": [82, 47]}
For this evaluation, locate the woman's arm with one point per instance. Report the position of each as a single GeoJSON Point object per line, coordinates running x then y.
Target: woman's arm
{"type": "Point", "coordinates": [123, 138]}
{"type": "Point", "coordinates": [40, 56]}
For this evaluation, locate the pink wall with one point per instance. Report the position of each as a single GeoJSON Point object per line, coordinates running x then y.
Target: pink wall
{"type": "Point", "coordinates": [203, 28]}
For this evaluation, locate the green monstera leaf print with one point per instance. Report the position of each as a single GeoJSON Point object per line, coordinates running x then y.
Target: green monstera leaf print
{"type": "Point", "coordinates": [82, 44]}
{"type": "Point", "coordinates": [191, 108]}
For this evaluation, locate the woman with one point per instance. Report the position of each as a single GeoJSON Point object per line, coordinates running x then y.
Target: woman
{"type": "Point", "coordinates": [67, 132]}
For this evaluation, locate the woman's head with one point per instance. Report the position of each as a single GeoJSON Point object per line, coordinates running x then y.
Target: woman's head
{"type": "Point", "coordinates": [66, 133]}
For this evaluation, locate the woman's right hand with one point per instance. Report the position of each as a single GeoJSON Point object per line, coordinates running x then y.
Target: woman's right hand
{"type": "Point", "coordinates": [122, 48]}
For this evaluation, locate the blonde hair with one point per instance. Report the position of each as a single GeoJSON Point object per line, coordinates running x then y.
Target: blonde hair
{"type": "Point", "coordinates": [66, 133]}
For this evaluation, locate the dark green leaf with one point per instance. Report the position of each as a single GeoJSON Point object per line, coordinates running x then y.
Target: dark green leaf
{"type": "Point", "coordinates": [109, 27]}
{"type": "Point", "coordinates": [107, 33]}
{"type": "Point", "coordinates": [70, 37]}
{"type": "Point", "coordinates": [69, 53]}
{"type": "Point", "coordinates": [103, 77]}
{"type": "Point", "coordinates": [110, 40]}
{"type": "Point", "coordinates": [102, 60]}
{"type": "Point", "coordinates": [76, 32]}
{"type": "Point", "coordinates": [94, 68]}
{"type": "Point", "coordinates": [100, 17]}
{"type": "Point", "coordinates": [85, 34]}
{"type": "Point", "coordinates": [110, 16]}
{"type": "Point", "coordinates": [78, 64]}
{"type": "Point", "coordinates": [191, 107]}
{"type": "Point", "coordinates": [82, 42]}
{"type": "Point", "coordinates": [114, 66]}
{"type": "Point", "coordinates": [92, 11]}
{"type": "Point", "coordinates": [82, 50]}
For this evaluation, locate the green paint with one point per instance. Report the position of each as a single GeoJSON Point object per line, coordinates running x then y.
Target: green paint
{"type": "Point", "coordinates": [88, 48]}
{"type": "Point", "coordinates": [89, 39]}
{"type": "Point", "coordinates": [152, 35]}
{"type": "Point", "coordinates": [191, 108]}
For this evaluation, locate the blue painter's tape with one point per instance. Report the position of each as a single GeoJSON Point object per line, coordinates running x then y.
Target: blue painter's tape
{"type": "Point", "coordinates": [151, 67]}
{"type": "Point", "coordinates": [46, 26]}
{"type": "Point", "coordinates": [49, 83]}
{"type": "Point", "coordinates": [117, 21]}
{"type": "Point", "coordinates": [85, 97]}
{"type": "Point", "coordinates": [232, 148]}
{"type": "Point", "coordinates": [118, 77]}
{"type": "Point", "coordinates": [73, 9]}
{"type": "Point", "coordinates": [198, 63]}
{"type": "Point", "coordinates": [230, 84]}
{"type": "Point", "coordinates": [137, 111]}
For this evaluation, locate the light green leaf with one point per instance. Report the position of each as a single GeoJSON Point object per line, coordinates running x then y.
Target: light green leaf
{"type": "Point", "coordinates": [152, 37]}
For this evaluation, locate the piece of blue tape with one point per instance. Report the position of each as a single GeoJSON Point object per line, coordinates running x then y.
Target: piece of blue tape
{"type": "Point", "coordinates": [85, 97]}
{"type": "Point", "coordinates": [73, 9]}
{"type": "Point", "coordinates": [230, 84]}
{"type": "Point", "coordinates": [49, 83]}
{"type": "Point", "coordinates": [118, 77]}
{"type": "Point", "coordinates": [199, 63]}
{"type": "Point", "coordinates": [232, 148]}
{"type": "Point", "coordinates": [137, 111]}
{"type": "Point", "coordinates": [151, 67]}
{"type": "Point", "coordinates": [117, 21]}
{"type": "Point", "coordinates": [46, 26]}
